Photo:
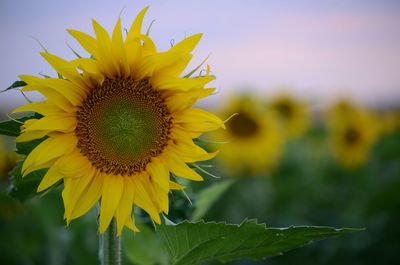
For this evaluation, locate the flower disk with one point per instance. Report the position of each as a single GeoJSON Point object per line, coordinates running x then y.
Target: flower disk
{"type": "Point", "coordinates": [121, 125]}
{"type": "Point", "coordinates": [117, 124]}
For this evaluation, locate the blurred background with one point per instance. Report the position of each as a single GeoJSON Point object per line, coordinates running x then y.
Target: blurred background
{"type": "Point", "coordinates": [311, 94]}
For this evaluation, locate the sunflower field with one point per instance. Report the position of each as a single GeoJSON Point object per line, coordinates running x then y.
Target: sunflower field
{"type": "Point", "coordinates": [118, 163]}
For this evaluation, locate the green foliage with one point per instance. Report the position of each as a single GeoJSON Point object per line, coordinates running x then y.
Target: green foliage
{"type": "Point", "coordinates": [16, 84]}
{"type": "Point", "coordinates": [193, 243]}
{"type": "Point", "coordinates": [143, 248]}
{"type": "Point", "coordinates": [13, 127]}
{"type": "Point", "coordinates": [207, 197]}
{"type": "Point", "coordinates": [23, 188]}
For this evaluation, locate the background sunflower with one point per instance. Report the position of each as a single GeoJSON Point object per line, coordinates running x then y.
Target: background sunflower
{"type": "Point", "coordinates": [254, 137]}
{"type": "Point", "coordinates": [353, 131]}
{"type": "Point", "coordinates": [294, 115]}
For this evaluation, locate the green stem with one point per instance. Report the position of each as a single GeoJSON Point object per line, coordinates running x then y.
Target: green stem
{"type": "Point", "coordinates": [110, 246]}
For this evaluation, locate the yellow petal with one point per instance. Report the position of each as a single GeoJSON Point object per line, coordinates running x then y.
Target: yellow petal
{"type": "Point", "coordinates": [172, 68]}
{"type": "Point", "coordinates": [162, 196]}
{"type": "Point", "coordinates": [111, 195]}
{"type": "Point", "coordinates": [64, 68]}
{"type": "Point", "coordinates": [49, 149]}
{"type": "Point", "coordinates": [74, 165]}
{"type": "Point", "coordinates": [155, 62]}
{"type": "Point", "coordinates": [104, 50]}
{"type": "Point", "coordinates": [134, 55]}
{"type": "Point", "coordinates": [134, 31]}
{"type": "Point", "coordinates": [54, 97]}
{"type": "Point", "coordinates": [53, 123]}
{"type": "Point", "coordinates": [86, 41]}
{"type": "Point", "coordinates": [148, 47]}
{"type": "Point", "coordinates": [130, 223]}
{"type": "Point", "coordinates": [50, 178]}
{"type": "Point", "coordinates": [60, 85]}
{"type": "Point", "coordinates": [44, 108]}
{"type": "Point", "coordinates": [159, 173]}
{"type": "Point", "coordinates": [175, 186]}
{"type": "Point", "coordinates": [119, 52]}
{"type": "Point", "coordinates": [89, 197]}
{"type": "Point", "coordinates": [180, 100]}
{"type": "Point", "coordinates": [197, 120]}
{"type": "Point", "coordinates": [143, 200]}
{"type": "Point", "coordinates": [187, 45]}
{"type": "Point", "coordinates": [179, 168]}
{"type": "Point", "coordinates": [190, 152]}
{"type": "Point", "coordinates": [184, 84]}
{"type": "Point", "coordinates": [74, 188]}
{"type": "Point", "coordinates": [29, 136]}
{"type": "Point", "coordinates": [47, 164]}
{"type": "Point", "coordinates": [133, 42]}
{"type": "Point", "coordinates": [125, 206]}
{"type": "Point", "coordinates": [92, 74]}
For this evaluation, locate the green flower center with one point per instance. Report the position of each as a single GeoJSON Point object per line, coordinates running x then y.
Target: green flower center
{"type": "Point", "coordinates": [122, 124]}
{"type": "Point", "coordinates": [243, 125]}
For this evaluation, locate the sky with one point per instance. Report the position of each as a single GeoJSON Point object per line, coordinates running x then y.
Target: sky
{"type": "Point", "coordinates": [317, 50]}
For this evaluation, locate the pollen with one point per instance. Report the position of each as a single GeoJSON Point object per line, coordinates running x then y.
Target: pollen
{"type": "Point", "coordinates": [122, 124]}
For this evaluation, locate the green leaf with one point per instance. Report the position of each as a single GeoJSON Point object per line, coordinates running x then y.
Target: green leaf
{"type": "Point", "coordinates": [10, 128]}
{"type": "Point", "coordinates": [23, 188]}
{"type": "Point", "coordinates": [144, 248]}
{"type": "Point", "coordinates": [13, 127]}
{"type": "Point", "coordinates": [207, 197]}
{"type": "Point", "coordinates": [15, 85]}
{"type": "Point", "coordinates": [193, 243]}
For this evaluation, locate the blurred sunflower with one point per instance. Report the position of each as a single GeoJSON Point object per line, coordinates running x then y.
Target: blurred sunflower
{"type": "Point", "coordinates": [254, 136]}
{"type": "Point", "coordinates": [7, 160]}
{"type": "Point", "coordinates": [294, 115]}
{"type": "Point", "coordinates": [353, 131]}
{"type": "Point", "coordinates": [118, 123]}
{"type": "Point", "coordinates": [341, 110]}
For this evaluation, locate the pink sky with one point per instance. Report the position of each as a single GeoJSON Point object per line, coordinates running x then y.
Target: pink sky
{"type": "Point", "coordinates": [321, 50]}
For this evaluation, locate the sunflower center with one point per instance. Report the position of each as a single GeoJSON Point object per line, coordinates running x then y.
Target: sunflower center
{"type": "Point", "coordinates": [352, 136]}
{"type": "Point", "coordinates": [243, 125]}
{"type": "Point", "coordinates": [122, 124]}
{"type": "Point", "coordinates": [284, 109]}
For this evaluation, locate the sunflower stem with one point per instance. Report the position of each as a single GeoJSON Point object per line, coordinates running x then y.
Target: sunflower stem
{"type": "Point", "coordinates": [110, 246]}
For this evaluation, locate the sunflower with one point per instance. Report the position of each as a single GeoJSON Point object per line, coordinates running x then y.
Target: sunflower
{"type": "Point", "coordinates": [117, 123]}
{"type": "Point", "coordinates": [294, 115]}
{"type": "Point", "coordinates": [353, 131]}
{"type": "Point", "coordinates": [254, 138]}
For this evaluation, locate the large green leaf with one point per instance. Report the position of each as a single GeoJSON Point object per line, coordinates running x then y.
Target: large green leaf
{"type": "Point", "coordinates": [207, 197]}
{"type": "Point", "coordinates": [23, 188]}
{"type": "Point", "coordinates": [193, 243]}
